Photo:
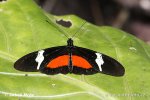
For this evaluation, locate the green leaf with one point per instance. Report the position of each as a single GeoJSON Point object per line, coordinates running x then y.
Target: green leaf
{"type": "Point", "coordinates": [23, 29]}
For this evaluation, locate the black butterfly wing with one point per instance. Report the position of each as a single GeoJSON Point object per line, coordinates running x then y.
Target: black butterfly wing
{"type": "Point", "coordinates": [28, 62]}
{"type": "Point", "coordinates": [105, 64]}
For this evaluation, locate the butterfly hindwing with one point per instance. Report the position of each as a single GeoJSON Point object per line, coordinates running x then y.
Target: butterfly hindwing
{"type": "Point", "coordinates": [59, 63]}
{"type": "Point", "coordinates": [82, 64]}
{"type": "Point", "coordinates": [56, 63]}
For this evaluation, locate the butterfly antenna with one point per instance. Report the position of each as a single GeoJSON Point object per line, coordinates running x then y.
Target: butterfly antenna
{"type": "Point", "coordinates": [79, 29]}
{"type": "Point", "coordinates": [60, 30]}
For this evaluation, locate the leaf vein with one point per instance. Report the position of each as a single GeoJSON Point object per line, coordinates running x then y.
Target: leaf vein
{"type": "Point", "coordinates": [5, 37]}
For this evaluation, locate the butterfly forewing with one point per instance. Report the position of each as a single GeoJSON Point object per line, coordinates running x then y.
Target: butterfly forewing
{"type": "Point", "coordinates": [105, 64]}
{"type": "Point", "coordinates": [29, 62]}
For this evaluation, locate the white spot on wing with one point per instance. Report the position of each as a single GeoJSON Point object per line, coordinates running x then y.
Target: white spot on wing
{"type": "Point", "coordinates": [39, 59]}
{"type": "Point", "coordinates": [99, 60]}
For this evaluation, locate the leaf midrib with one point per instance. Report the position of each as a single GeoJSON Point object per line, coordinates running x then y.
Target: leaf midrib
{"type": "Point", "coordinates": [90, 89]}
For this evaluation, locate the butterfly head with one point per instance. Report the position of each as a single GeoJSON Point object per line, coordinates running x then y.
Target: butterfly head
{"type": "Point", "coordinates": [69, 42]}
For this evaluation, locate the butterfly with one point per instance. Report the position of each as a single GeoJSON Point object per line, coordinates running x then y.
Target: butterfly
{"type": "Point", "coordinates": [69, 59]}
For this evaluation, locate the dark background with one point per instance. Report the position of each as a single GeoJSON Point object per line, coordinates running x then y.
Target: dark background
{"type": "Point", "coordinates": [132, 16]}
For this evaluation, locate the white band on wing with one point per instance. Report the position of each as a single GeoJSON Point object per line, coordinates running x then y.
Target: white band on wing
{"type": "Point", "coordinates": [39, 59]}
{"type": "Point", "coordinates": [99, 60]}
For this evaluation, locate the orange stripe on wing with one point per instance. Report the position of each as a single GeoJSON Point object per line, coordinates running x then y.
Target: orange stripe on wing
{"type": "Point", "coordinates": [81, 62]}
{"type": "Point", "coordinates": [59, 62]}
{"type": "Point", "coordinates": [63, 61]}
